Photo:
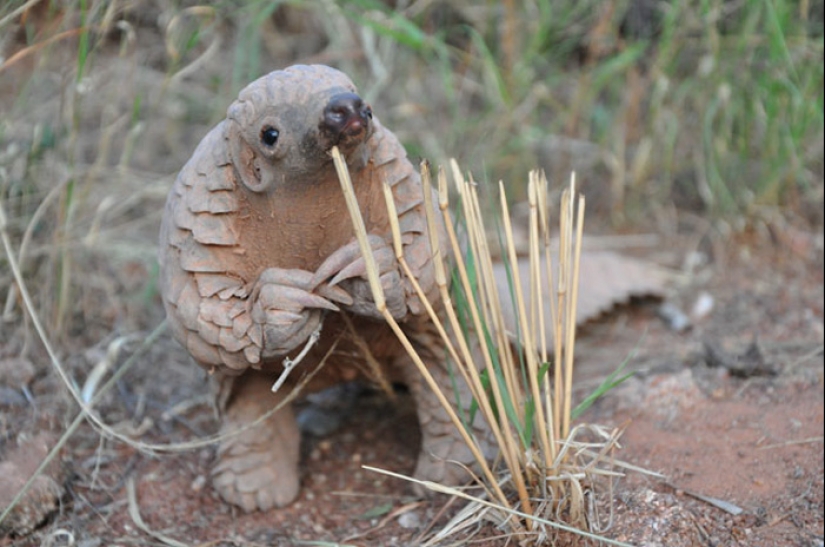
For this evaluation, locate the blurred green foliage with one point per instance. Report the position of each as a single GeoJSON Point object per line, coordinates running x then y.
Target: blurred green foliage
{"type": "Point", "coordinates": [711, 107]}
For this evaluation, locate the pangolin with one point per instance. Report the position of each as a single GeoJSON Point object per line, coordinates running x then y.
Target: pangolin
{"type": "Point", "coordinates": [257, 253]}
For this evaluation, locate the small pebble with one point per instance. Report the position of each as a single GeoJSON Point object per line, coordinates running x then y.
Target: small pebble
{"type": "Point", "coordinates": [674, 318]}
{"type": "Point", "coordinates": [702, 307]}
{"type": "Point", "coordinates": [198, 484]}
{"type": "Point", "coordinates": [409, 520]}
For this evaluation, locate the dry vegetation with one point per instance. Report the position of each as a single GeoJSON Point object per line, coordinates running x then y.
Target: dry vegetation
{"type": "Point", "coordinates": [671, 114]}
{"type": "Point", "coordinates": [544, 479]}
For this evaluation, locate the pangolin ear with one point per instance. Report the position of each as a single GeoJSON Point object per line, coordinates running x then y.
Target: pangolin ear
{"type": "Point", "coordinates": [248, 162]}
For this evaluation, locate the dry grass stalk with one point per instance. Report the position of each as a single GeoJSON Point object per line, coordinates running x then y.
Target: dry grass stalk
{"type": "Point", "coordinates": [545, 480]}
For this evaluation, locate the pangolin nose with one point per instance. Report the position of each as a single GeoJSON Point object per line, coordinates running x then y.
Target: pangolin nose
{"type": "Point", "coordinates": [347, 112]}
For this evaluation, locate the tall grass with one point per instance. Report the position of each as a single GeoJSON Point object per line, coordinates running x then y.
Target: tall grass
{"type": "Point", "coordinates": [548, 468]}
{"type": "Point", "coordinates": [714, 107]}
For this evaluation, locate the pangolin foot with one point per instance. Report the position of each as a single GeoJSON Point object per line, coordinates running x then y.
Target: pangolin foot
{"type": "Point", "coordinates": [257, 469]}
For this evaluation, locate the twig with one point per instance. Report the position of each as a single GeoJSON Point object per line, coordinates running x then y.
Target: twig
{"type": "Point", "coordinates": [809, 440]}
{"type": "Point", "coordinates": [818, 349]}
{"type": "Point", "coordinates": [290, 364]}
{"type": "Point", "coordinates": [17, 12]}
{"type": "Point", "coordinates": [203, 58]}
{"type": "Point", "coordinates": [33, 223]}
{"type": "Point", "coordinates": [726, 506]}
{"type": "Point", "coordinates": [134, 512]}
{"type": "Point", "coordinates": [374, 373]}
{"type": "Point", "coordinates": [40, 45]}
{"type": "Point", "coordinates": [102, 367]}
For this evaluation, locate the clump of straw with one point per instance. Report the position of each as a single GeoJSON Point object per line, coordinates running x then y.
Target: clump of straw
{"type": "Point", "coordinates": [546, 474]}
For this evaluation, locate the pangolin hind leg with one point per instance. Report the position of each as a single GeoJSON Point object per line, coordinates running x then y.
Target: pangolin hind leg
{"type": "Point", "coordinates": [257, 469]}
{"type": "Point", "coordinates": [444, 453]}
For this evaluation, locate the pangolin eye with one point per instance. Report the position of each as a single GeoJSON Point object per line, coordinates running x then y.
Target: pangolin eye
{"type": "Point", "coordinates": [269, 136]}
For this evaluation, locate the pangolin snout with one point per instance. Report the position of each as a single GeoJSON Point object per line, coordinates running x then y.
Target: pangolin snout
{"type": "Point", "coordinates": [347, 115]}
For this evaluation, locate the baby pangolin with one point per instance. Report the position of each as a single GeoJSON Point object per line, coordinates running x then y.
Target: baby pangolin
{"type": "Point", "coordinates": [257, 253]}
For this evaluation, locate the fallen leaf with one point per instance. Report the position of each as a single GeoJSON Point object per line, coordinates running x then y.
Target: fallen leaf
{"type": "Point", "coordinates": [606, 279]}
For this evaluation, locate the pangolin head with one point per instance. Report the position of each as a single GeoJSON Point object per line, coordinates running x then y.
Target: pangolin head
{"type": "Point", "coordinates": [282, 127]}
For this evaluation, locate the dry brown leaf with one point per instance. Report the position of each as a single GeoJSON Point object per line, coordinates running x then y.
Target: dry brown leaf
{"type": "Point", "coordinates": [606, 279]}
